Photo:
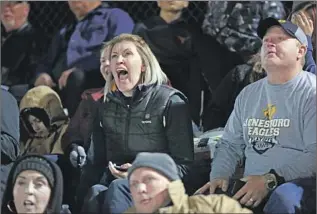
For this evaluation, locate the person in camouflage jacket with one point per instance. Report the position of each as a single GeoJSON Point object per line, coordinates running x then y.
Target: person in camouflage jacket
{"type": "Point", "coordinates": [234, 24]}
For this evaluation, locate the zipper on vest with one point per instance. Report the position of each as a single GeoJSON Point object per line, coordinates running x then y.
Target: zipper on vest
{"type": "Point", "coordinates": [127, 128]}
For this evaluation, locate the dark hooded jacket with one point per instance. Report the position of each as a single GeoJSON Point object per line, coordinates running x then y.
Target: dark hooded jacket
{"type": "Point", "coordinates": [55, 203]}
{"type": "Point", "coordinates": [10, 135]}
{"type": "Point", "coordinates": [50, 110]}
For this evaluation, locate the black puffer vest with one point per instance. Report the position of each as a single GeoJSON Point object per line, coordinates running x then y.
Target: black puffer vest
{"type": "Point", "coordinates": [130, 129]}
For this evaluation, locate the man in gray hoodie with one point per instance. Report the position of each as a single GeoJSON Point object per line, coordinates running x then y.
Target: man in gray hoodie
{"type": "Point", "coordinates": [273, 125]}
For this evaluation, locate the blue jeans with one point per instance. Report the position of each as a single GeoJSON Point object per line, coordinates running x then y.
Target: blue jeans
{"type": "Point", "coordinates": [118, 197]}
{"type": "Point", "coordinates": [298, 196]}
{"type": "Point", "coordinates": [115, 199]}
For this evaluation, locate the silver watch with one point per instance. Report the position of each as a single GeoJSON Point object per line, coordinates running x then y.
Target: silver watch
{"type": "Point", "coordinates": [271, 182]}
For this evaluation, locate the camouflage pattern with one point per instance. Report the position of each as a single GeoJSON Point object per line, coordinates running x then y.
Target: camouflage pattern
{"type": "Point", "coordinates": [234, 24]}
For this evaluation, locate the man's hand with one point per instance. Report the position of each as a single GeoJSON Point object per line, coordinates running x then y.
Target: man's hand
{"type": "Point", "coordinates": [304, 22]}
{"type": "Point", "coordinates": [117, 173]}
{"type": "Point", "coordinates": [63, 79]}
{"type": "Point", "coordinates": [253, 192]}
{"type": "Point", "coordinates": [213, 185]}
{"type": "Point", "coordinates": [44, 79]}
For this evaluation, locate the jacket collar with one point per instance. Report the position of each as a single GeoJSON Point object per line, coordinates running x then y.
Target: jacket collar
{"type": "Point", "coordinates": [176, 191]}
{"type": "Point", "coordinates": [139, 93]}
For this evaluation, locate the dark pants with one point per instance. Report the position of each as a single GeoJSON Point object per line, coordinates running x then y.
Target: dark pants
{"type": "Point", "coordinates": [77, 82]}
{"type": "Point", "coordinates": [94, 199]}
{"type": "Point", "coordinates": [298, 196]}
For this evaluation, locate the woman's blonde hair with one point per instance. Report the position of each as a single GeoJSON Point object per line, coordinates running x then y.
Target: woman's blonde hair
{"type": "Point", "coordinates": [153, 73]}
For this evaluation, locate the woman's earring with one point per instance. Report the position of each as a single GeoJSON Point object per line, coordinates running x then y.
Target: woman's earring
{"type": "Point", "coordinates": [9, 206]}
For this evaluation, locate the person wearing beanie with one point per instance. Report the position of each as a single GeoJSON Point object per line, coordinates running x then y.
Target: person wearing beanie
{"type": "Point", "coordinates": [36, 186]}
{"type": "Point", "coordinates": [156, 187]}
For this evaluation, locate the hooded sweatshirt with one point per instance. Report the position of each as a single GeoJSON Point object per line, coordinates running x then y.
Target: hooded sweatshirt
{"type": "Point", "coordinates": [48, 105]}
{"type": "Point", "coordinates": [55, 203]}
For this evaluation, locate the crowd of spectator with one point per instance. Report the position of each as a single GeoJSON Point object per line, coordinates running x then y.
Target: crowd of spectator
{"type": "Point", "coordinates": [105, 117]}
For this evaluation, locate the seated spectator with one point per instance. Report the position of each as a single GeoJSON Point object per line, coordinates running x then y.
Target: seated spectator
{"type": "Point", "coordinates": [21, 47]}
{"type": "Point", "coordinates": [72, 62]}
{"type": "Point", "coordinates": [10, 135]}
{"type": "Point", "coordinates": [36, 186]}
{"type": "Point", "coordinates": [43, 117]}
{"type": "Point", "coordinates": [234, 23]}
{"type": "Point", "coordinates": [304, 16]}
{"type": "Point", "coordinates": [141, 114]}
{"type": "Point", "coordinates": [192, 61]}
{"type": "Point", "coordinates": [222, 102]}
{"type": "Point", "coordinates": [157, 188]}
{"type": "Point", "coordinates": [273, 125]}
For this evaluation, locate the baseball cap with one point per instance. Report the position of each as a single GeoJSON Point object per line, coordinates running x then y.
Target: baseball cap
{"type": "Point", "coordinates": [290, 28]}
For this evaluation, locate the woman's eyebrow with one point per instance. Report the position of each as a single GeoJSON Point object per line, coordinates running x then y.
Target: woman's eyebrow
{"type": "Point", "coordinates": [40, 178]}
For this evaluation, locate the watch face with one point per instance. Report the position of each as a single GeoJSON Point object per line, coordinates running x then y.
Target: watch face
{"type": "Point", "coordinates": [271, 184]}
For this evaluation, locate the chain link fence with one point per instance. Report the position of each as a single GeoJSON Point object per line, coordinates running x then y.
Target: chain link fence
{"type": "Point", "coordinates": [50, 16]}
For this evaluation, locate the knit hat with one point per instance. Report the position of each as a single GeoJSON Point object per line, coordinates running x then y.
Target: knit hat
{"type": "Point", "coordinates": [38, 164]}
{"type": "Point", "coordinates": [160, 162]}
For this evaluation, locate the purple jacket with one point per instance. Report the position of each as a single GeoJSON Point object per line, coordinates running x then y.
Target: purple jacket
{"type": "Point", "coordinates": [78, 44]}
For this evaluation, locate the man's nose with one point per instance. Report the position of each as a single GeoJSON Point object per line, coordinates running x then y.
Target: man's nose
{"type": "Point", "coordinates": [269, 42]}
{"type": "Point", "coordinates": [141, 188]}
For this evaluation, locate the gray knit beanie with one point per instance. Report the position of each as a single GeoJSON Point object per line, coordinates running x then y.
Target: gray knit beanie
{"type": "Point", "coordinates": [37, 164]}
{"type": "Point", "coordinates": [160, 162]}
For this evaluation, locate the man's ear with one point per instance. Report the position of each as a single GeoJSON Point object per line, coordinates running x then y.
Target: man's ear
{"type": "Point", "coordinates": [302, 50]}
{"type": "Point", "coordinates": [159, 4]}
{"type": "Point", "coordinates": [26, 9]}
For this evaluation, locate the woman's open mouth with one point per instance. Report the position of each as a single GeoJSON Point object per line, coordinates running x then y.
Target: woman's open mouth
{"type": "Point", "coordinates": [122, 74]}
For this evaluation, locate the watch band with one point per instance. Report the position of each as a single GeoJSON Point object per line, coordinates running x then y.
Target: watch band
{"type": "Point", "coordinates": [280, 180]}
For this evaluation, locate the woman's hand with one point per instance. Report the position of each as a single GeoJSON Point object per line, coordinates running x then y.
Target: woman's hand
{"type": "Point", "coordinates": [117, 173]}
{"type": "Point", "coordinates": [304, 22]}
